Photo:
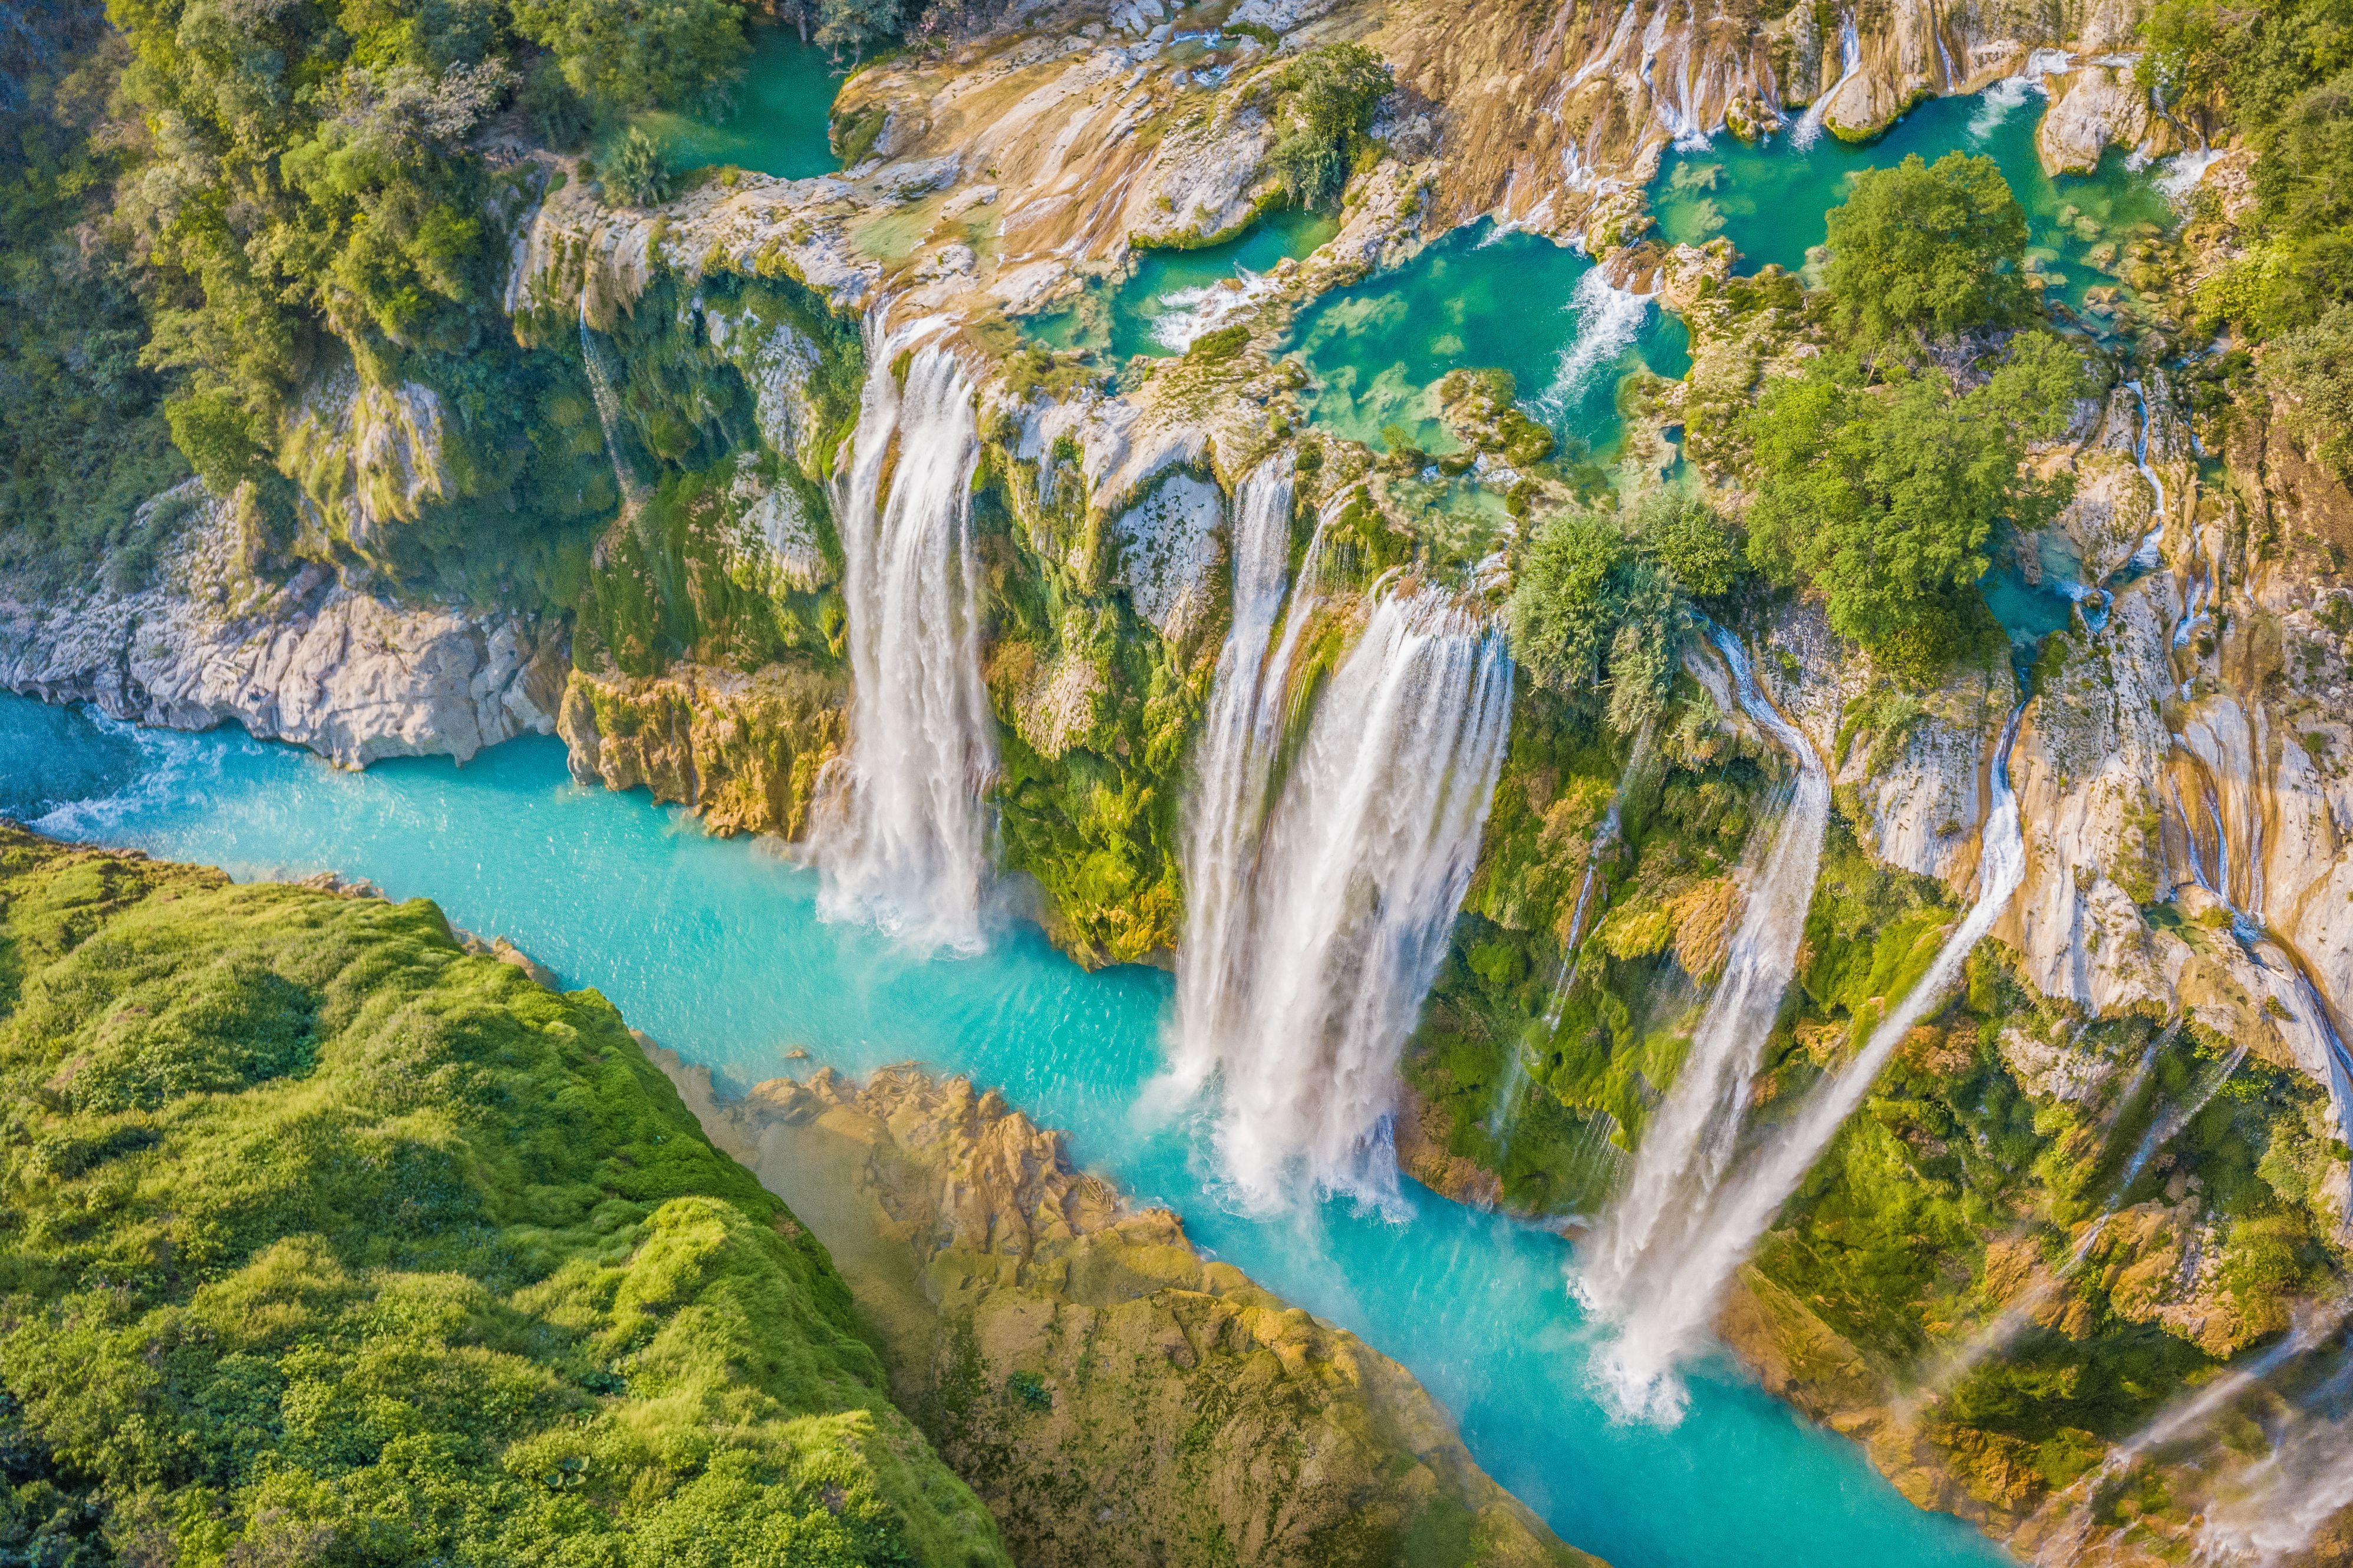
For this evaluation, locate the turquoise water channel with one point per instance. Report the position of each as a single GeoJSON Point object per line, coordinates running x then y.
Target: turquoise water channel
{"type": "Point", "coordinates": [1175, 296]}
{"type": "Point", "coordinates": [1482, 297]}
{"type": "Point", "coordinates": [1769, 198]}
{"type": "Point", "coordinates": [780, 124]}
{"type": "Point", "coordinates": [713, 946]}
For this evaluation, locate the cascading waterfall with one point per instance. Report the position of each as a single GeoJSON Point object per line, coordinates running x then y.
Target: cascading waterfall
{"type": "Point", "coordinates": [1345, 916]}
{"type": "Point", "coordinates": [1640, 1363]}
{"type": "Point", "coordinates": [1808, 128]}
{"type": "Point", "coordinates": [2147, 554]}
{"type": "Point", "coordinates": [1636, 1254]}
{"type": "Point", "coordinates": [1227, 811]}
{"type": "Point", "coordinates": [900, 835]}
{"type": "Point", "coordinates": [604, 392]}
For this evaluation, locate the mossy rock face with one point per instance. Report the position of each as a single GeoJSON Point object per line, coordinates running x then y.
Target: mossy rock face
{"type": "Point", "coordinates": [1117, 1400]}
{"type": "Point", "coordinates": [1969, 1185]}
{"type": "Point", "coordinates": [330, 1242]}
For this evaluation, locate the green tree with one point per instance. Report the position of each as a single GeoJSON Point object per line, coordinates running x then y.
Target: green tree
{"type": "Point", "coordinates": [1326, 98]}
{"type": "Point", "coordinates": [1884, 495]}
{"type": "Point", "coordinates": [2309, 374]}
{"type": "Point", "coordinates": [1690, 539]}
{"type": "Point", "coordinates": [1595, 611]}
{"type": "Point", "coordinates": [624, 55]}
{"type": "Point", "coordinates": [1926, 249]}
{"type": "Point", "coordinates": [853, 24]}
{"type": "Point", "coordinates": [637, 174]}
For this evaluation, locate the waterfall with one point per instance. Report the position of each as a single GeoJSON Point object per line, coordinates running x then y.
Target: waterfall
{"type": "Point", "coordinates": [1808, 128]}
{"type": "Point", "coordinates": [1227, 811]}
{"type": "Point", "coordinates": [1637, 1251]}
{"type": "Point", "coordinates": [603, 391]}
{"type": "Point", "coordinates": [1342, 920]}
{"type": "Point", "coordinates": [1640, 1363]}
{"type": "Point", "coordinates": [2147, 554]}
{"type": "Point", "coordinates": [900, 837]}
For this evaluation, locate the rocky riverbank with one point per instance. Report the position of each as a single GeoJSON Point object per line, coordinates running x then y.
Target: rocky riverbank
{"type": "Point", "coordinates": [1115, 1398]}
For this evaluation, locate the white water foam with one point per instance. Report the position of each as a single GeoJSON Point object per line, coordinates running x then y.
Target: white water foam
{"type": "Point", "coordinates": [1188, 315]}
{"type": "Point", "coordinates": [1996, 102]}
{"type": "Point", "coordinates": [1609, 319]}
{"type": "Point", "coordinates": [1638, 1368]}
{"type": "Point", "coordinates": [2179, 174]}
{"type": "Point", "coordinates": [603, 392]}
{"type": "Point", "coordinates": [1642, 1242]}
{"type": "Point", "coordinates": [898, 832]}
{"type": "Point", "coordinates": [1365, 861]}
{"type": "Point", "coordinates": [1225, 815]}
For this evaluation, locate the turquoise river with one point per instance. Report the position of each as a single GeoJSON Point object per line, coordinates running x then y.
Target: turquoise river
{"type": "Point", "coordinates": [713, 946]}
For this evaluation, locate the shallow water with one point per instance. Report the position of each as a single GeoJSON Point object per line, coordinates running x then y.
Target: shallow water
{"type": "Point", "coordinates": [713, 947]}
{"type": "Point", "coordinates": [780, 124]}
{"type": "Point", "coordinates": [1769, 199]}
{"type": "Point", "coordinates": [1175, 296]}
{"type": "Point", "coordinates": [1480, 298]}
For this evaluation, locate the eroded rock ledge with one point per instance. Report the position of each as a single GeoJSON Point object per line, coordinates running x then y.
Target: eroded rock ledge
{"type": "Point", "coordinates": [352, 675]}
{"type": "Point", "coordinates": [1114, 1398]}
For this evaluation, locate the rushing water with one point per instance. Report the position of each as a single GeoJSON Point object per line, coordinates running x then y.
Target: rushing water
{"type": "Point", "coordinates": [780, 122]}
{"type": "Point", "coordinates": [1175, 297]}
{"type": "Point", "coordinates": [1636, 1261]}
{"type": "Point", "coordinates": [899, 830]}
{"type": "Point", "coordinates": [1490, 299]}
{"type": "Point", "coordinates": [715, 948]}
{"type": "Point", "coordinates": [1675, 1322]}
{"type": "Point", "coordinates": [1341, 920]}
{"type": "Point", "coordinates": [1768, 198]}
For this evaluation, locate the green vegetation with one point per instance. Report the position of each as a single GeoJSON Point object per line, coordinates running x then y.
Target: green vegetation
{"type": "Point", "coordinates": [83, 442]}
{"type": "Point", "coordinates": [1927, 250]}
{"type": "Point", "coordinates": [1325, 104]}
{"type": "Point", "coordinates": [2284, 75]}
{"type": "Point", "coordinates": [329, 1243]}
{"type": "Point", "coordinates": [1604, 598]}
{"type": "Point", "coordinates": [1882, 489]}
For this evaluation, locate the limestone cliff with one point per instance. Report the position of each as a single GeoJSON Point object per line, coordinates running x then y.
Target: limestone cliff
{"type": "Point", "coordinates": [1113, 1397]}
{"type": "Point", "coordinates": [353, 676]}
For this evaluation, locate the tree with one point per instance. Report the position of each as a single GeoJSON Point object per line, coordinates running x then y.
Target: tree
{"type": "Point", "coordinates": [1883, 496]}
{"type": "Point", "coordinates": [1926, 249]}
{"type": "Point", "coordinates": [2309, 374]}
{"type": "Point", "coordinates": [1326, 100]}
{"type": "Point", "coordinates": [1690, 539]}
{"type": "Point", "coordinates": [854, 23]}
{"type": "Point", "coordinates": [636, 173]}
{"type": "Point", "coordinates": [641, 54]}
{"type": "Point", "coordinates": [1594, 609]}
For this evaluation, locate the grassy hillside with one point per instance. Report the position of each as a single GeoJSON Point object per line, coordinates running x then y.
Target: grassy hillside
{"type": "Point", "coordinates": [323, 1241]}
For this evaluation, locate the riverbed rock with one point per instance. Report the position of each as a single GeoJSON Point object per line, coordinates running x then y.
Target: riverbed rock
{"type": "Point", "coordinates": [2092, 111]}
{"type": "Point", "coordinates": [353, 676]}
{"type": "Point", "coordinates": [1113, 1396]}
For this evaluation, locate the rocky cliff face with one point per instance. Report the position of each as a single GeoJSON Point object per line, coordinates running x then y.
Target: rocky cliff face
{"type": "Point", "coordinates": [1113, 1397]}
{"type": "Point", "coordinates": [355, 677]}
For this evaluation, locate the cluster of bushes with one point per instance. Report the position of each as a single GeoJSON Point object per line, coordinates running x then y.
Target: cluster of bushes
{"type": "Point", "coordinates": [329, 1243]}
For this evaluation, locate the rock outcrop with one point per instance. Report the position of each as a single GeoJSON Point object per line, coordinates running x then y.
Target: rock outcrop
{"type": "Point", "coordinates": [1113, 1397]}
{"type": "Point", "coordinates": [355, 677]}
{"type": "Point", "coordinates": [744, 751]}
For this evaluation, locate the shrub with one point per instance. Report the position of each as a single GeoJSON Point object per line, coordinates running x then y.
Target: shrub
{"type": "Point", "coordinates": [1325, 101]}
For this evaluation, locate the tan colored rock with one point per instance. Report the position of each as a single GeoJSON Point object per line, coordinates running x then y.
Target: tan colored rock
{"type": "Point", "coordinates": [746, 751]}
{"type": "Point", "coordinates": [1113, 1398]}
{"type": "Point", "coordinates": [2096, 109]}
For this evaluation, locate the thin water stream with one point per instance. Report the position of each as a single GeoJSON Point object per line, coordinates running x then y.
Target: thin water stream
{"type": "Point", "coordinates": [715, 948]}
